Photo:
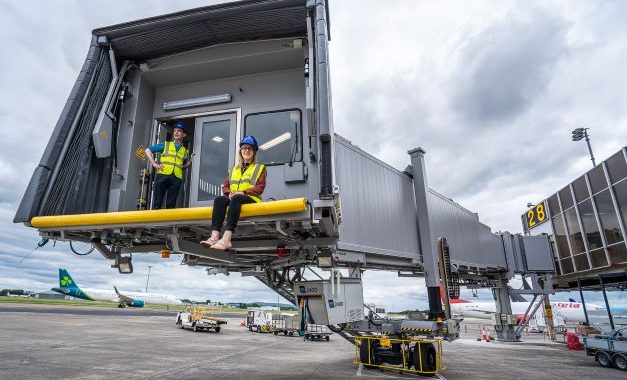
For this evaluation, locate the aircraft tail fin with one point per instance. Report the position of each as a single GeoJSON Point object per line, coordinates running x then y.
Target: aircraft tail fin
{"type": "Point", "coordinates": [451, 300]}
{"type": "Point", "coordinates": [116, 290]}
{"type": "Point", "coordinates": [65, 280]}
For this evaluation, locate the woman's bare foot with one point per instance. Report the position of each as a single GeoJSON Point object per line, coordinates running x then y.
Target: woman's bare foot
{"type": "Point", "coordinates": [221, 245]}
{"type": "Point", "coordinates": [224, 243]}
{"type": "Point", "coordinates": [215, 236]}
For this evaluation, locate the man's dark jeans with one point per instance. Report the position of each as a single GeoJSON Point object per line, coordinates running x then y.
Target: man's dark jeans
{"type": "Point", "coordinates": [163, 184]}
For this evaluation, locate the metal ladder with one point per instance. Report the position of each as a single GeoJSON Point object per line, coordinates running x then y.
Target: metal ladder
{"type": "Point", "coordinates": [282, 281]}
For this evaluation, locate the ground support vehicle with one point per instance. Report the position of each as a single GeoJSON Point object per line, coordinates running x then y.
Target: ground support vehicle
{"type": "Point", "coordinates": [609, 350]}
{"type": "Point", "coordinates": [411, 354]}
{"type": "Point", "coordinates": [198, 318]}
{"type": "Point", "coordinates": [259, 321]}
{"type": "Point", "coordinates": [317, 332]}
{"type": "Point", "coordinates": [409, 345]}
{"type": "Point", "coordinates": [287, 324]}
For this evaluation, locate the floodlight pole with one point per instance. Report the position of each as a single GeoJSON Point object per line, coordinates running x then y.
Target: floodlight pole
{"type": "Point", "coordinates": [585, 134]}
{"type": "Point", "coordinates": [148, 279]}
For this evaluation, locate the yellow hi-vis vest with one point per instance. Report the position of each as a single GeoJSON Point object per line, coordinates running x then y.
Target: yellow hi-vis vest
{"type": "Point", "coordinates": [243, 181]}
{"type": "Point", "coordinates": [172, 160]}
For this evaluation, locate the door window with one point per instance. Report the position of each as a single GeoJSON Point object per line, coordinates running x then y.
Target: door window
{"type": "Point", "coordinates": [213, 144]}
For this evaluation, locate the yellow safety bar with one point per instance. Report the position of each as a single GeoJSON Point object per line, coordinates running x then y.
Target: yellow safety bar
{"type": "Point", "coordinates": [406, 343]}
{"type": "Point", "coordinates": [284, 206]}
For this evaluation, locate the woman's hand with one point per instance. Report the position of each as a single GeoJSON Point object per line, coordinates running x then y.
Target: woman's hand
{"type": "Point", "coordinates": [234, 193]}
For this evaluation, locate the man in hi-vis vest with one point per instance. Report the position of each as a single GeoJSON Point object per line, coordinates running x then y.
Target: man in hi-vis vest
{"type": "Point", "coordinates": [174, 158]}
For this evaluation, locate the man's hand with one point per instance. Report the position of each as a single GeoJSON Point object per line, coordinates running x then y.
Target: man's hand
{"type": "Point", "coordinates": [189, 161]}
{"type": "Point", "coordinates": [157, 165]}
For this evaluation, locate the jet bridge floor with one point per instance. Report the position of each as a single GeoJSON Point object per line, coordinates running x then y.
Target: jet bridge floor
{"type": "Point", "coordinates": [263, 227]}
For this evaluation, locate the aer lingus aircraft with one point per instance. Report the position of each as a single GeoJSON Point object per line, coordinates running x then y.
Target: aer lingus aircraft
{"type": "Point", "coordinates": [69, 287]}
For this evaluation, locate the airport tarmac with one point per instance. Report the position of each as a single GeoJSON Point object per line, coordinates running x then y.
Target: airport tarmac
{"type": "Point", "coordinates": [76, 344]}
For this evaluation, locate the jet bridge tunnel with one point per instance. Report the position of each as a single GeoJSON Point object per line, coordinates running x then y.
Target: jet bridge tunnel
{"type": "Point", "coordinates": [248, 68]}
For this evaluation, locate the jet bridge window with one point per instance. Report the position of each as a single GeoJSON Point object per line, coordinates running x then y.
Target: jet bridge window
{"type": "Point", "coordinates": [278, 134]}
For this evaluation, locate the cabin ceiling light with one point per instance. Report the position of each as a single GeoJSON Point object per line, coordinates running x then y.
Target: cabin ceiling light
{"type": "Point", "coordinates": [276, 141]}
{"type": "Point", "coordinates": [217, 139]}
{"type": "Point", "coordinates": [196, 102]}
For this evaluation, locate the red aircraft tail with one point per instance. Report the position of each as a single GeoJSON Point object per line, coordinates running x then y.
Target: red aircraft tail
{"type": "Point", "coordinates": [451, 301]}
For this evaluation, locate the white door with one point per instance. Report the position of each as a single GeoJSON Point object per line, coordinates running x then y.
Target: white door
{"type": "Point", "coordinates": [214, 145]}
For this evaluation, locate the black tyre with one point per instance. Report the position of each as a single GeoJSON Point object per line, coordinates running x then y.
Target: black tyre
{"type": "Point", "coordinates": [217, 329]}
{"type": "Point", "coordinates": [258, 329]}
{"type": "Point", "coordinates": [285, 332]}
{"type": "Point", "coordinates": [291, 333]}
{"type": "Point", "coordinates": [195, 328]}
{"type": "Point", "coordinates": [275, 332]}
{"type": "Point", "coordinates": [604, 359]}
{"type": "Point", "coordinates": [620, 362]}
{"type": "Point", "coordinates": [327, 338]}
{"type": "Point", "coordinates": [180, 323]}
{"type": "Point", "coordinates": [368, 358]}
{"type": "Point", "coordinates": [426, 354]}
{"type": "Point", "coordinates": [250, 328]}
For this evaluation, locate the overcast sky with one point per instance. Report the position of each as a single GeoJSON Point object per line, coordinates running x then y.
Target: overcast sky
{"type": "Point", "coordinates": [491, 90]}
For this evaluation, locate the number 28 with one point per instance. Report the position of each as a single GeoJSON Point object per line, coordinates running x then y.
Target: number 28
{"type": "Point", "coordinates": [538, 213]}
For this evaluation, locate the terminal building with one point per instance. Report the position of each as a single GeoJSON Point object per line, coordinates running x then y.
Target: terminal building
{"type": "Point", "coordinates": [586, 221]}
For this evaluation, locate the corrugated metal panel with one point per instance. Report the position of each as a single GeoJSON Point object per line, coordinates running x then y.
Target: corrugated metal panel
{"type": "Point", "coordinates": [377, 203]}
{"type": "Point", "coordinates": [378, 214]}
{"type": "Point", "coordinates": [82, 183]}
{"type": "Point", "coordinates": [471, 243]}
{"type": "Point", "coordinates": [31, 203]}
{"type": "Point", "coordinates": [232, 22]}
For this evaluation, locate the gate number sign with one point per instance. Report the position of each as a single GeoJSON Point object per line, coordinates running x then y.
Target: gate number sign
{"type": "Point", "coordinates": [536, 215]}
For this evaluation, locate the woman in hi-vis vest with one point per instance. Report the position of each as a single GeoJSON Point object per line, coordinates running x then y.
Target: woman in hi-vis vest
{"type": "Point", "coordinates": [245, 184]}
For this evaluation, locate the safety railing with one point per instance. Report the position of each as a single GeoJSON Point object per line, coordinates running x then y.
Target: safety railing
{"type": "Point", "coordinates": [415, 355]}
{"type": "Point", "coordinates": [203, 312]}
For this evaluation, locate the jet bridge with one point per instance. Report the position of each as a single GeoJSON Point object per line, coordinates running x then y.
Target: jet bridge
{"type": "Point", "coordinates": [235, 69]}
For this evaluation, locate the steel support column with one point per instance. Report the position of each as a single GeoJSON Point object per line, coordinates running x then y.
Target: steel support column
{"type": "Point", "coordinates": [583, 302]}
{"type": "Point", "coordinates": [504, 331]}
{"type": "Point", "coordinates": [548, 319]}
{"type": "Point", "coordinates": [607, 304]}
{"type": "Point", "coordinates": [425, 241]}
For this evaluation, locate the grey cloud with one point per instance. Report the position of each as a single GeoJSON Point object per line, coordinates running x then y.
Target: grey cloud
{"type": "Point", "coordinates": [505, 68]}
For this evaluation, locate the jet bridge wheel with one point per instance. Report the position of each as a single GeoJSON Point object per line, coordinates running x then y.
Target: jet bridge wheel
{"type": "Point", "coordinates": [620, 362]}
{"type": "Point", "coordinates": [217, 329]}
{"type": "Point", "coordinates": [428, 355]}
{"type": "Point", "coordinates": [368, 356]}
{"type": "Point", "coordinates": [604, 359]}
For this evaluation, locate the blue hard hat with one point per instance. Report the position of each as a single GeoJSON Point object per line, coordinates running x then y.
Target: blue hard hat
{"type": "Point", "coordinates": [250, 140]}
{"type": "Point", "coordinates": [180, 124]}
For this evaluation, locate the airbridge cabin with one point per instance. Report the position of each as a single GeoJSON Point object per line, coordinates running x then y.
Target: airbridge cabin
{"type": "Point", "coordinates": [227, 71]}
